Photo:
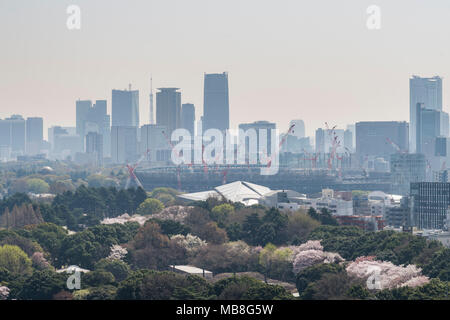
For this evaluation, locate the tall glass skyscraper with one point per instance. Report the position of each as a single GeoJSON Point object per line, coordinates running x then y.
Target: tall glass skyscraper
{"type": "Point", "coordinates": [125, 108]}
{"type": "Point", "coordinates": [216, 108]}
{"type": "Point", "coordinates": [34, 135]}
{"type": "Point", "coordinates": [168, 109]}
{"type": "Point", "coordinates": [422, 90]}
{"type": "Point", "coordinates": [188, 117]}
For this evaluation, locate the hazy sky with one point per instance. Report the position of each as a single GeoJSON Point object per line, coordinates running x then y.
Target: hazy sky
{"type": "Point", "coordinates": [287, 59]}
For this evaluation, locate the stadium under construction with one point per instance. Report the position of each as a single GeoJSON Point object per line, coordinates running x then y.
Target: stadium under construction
{"type": "Point", "coordinates": [197, 178]}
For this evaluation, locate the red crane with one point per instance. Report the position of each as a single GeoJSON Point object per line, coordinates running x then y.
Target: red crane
{"type": "Point", "coordinates": [131, 172]}
{"type": "Point", "coordinates": [180, 154]}
{"type": "Point", "coordinates": [283, 140]}
{"type": "Point", "coordinates": [311, 158]}
{"type": "Point", "coordinates": [396, 147]}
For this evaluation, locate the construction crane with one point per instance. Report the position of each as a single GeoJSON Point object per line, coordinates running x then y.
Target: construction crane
{"type": "Point", "coordinates": [335, 143]}
{"type": "Point", "coordinates": [224, 174]}
{"type": "Point", "coordinates": [131, 172]}
{"type": "Point", "coordinates": [311, 158]}
{"type": "Point", "coordinates": [396, 147]}
{"type": "Point", "coordinates": [283, 140]}
{"type": "Point", "coordinates": [180, 154]}
{"type": "Point", "coordinates": [205, 165]}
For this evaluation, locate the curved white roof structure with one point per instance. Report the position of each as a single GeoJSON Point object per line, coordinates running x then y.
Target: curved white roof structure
{"type": "Point", "coordinates": [238, 191]}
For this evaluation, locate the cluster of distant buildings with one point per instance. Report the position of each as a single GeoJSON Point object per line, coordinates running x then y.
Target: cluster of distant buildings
{"type": "Point", "coordinates": [412, 156]}
{"type": "Point", "coordinates": [424, 213]}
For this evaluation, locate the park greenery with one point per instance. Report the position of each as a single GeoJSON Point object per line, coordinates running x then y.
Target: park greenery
{"type": "Point", "coordinates": [252, 250]}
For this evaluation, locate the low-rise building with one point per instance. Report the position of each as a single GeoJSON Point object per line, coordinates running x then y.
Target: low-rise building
{"type": "Point", "coordinates": [368, 223]}
{"type": "Point", "coordinates": [192, 271]}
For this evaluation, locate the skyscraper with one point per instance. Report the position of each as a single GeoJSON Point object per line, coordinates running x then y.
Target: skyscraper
{"type": "Point", "coordinates": [125, 108]}
{"type": "Point", "coordinates": [324, 140]}
{"type": "Point", "coordinates": [34, 135]}
{"type": "Point", "coordinates": [17, 134]}
{"type": "Point", "coordinates": [94, 118]}
{"type": "Point", "coordinates": [422, 90]}
{"type": "Point", "coordinates": [82, 110]}
{"type": "Point", "coordinates": [299, 128]}
{"type": "Point", "coordinates": [94, 147]}
{"type": "Point", "coordinates": [430, 124]}
{"type": "Point", "coordinates": [266, 149]}
{"type": "Point", "coordinates": [152, 119]}
{"type": "Point", "coordinates": [168, 109]}
{"type": "Point", "coordinates": [188, 117]}
{"type": "Point", "coordinates": [405, 169]}
{"type": "Point", "coordinates": [154, 143]}
{"type": "Point", "coordinates": [216, 109]}
{"type": "Point", "coordinates": [320, 141]}
{"type": "Point", "coordinates": [12, 136]}
{"type": "Point", "coordinates": [381, 138]}
{"type": "Point", "coordinates": [123, 144]}
{"type": "Point", "coordinates": [431, 201]}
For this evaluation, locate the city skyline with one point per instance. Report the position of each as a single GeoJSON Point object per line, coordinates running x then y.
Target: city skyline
{"type": "Point", "coordinates": [311, 59]}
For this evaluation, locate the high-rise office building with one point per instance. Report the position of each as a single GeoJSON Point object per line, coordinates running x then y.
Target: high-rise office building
{"type": "Point", "coordinates": [168, 109]}
{"type": "Point", "coordinates": [352, 129]}
{"type": "Point", "coordinates": [34, 135]}
{"type": "Point", "coordinates": [151, 116]}
{"type": "Point", "coordinates": [82, 111]}
{"type": "Point", "coordinates": [125, 108]}
{"type": "Point", "coordinates": [431, 201]}
{"type": "Point", "coordinates": [325, 137]}
{"type": "Point", "coordinates": [430, 124]}
{"type": "Point", "coordinates": [188, 117]}
{"type": "Point", "coordinates": [65, 142]}
{"type": "Point", "coordinates": [320, 140]}
{"type": "Point", "coordinates": [422, 90]}
{"type": "Point", "coordinates": [155, 143]}
{"type": "Point", "coordinates": [5, 139]}
{"type": "Point", "coordinates": [265, 149]}
{"type": "Point", "coordinates": [216, 108]}
{"type": "Point", "coordinates": [100, 122]}
{"type": "Point", "coordinates": [405, 169]}
{"type": "Point", "coordinates": [123, 144]}
{"type": "Point", "coordinates": [348, 140]}
{"type": "Point", "coordinates": [299, 128]}
{"type": "Point", "coordinates": [381, 138]}
{"type": "Point", "coordinates": [94, 118]}
{"type": "Point", "coordinates": [13, 135]}
{"type": "Point", "coordinates": [94, 147]}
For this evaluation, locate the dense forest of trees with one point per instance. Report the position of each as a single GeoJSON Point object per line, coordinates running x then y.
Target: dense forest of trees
{"type": "Point", "coordinates": [129, 260]}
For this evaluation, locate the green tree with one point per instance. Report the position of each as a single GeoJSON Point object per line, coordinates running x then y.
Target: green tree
{"type": "Point", "coordinates": [36, 185]}
{"type": "Point", "coordinates": [150, 206]}
{"type": "Point", "coordinates": [119, 269]}
{"type": "Point", "coordinates": [98, 278]}
{"type": "Point", "coordinates": [43, 285]}
{"type": "Point", "coordinates": [13, 259]}
{"type": "Point", "coordinates": [221, 212]}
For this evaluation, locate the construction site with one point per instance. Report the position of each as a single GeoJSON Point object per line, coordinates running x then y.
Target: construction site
{"type": "Point", "coordinates": [307, 181]}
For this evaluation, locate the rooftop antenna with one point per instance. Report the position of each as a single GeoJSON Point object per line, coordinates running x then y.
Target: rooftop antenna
{"type": "Point", "coordinates": [151, 100]}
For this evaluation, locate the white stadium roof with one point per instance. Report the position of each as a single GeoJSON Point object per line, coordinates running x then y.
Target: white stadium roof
{"type": "Point", "coordinates": [238, 191]}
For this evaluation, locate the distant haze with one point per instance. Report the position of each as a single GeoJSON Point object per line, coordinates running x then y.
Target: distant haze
{"type": "Point", "coordinates": [310, 60]}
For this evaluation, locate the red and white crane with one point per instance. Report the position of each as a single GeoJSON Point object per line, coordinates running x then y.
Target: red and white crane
{"type": "Point", "coordinates": [283, 140]}
{"type": "Point", "coordinates": [132, 174]}
{"type": "Point", "coordinates": [180, 154]}
{"type": "Point", "coordinates": [396, 147]}
{"type": "Point", "coordinates": [311, 158]}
